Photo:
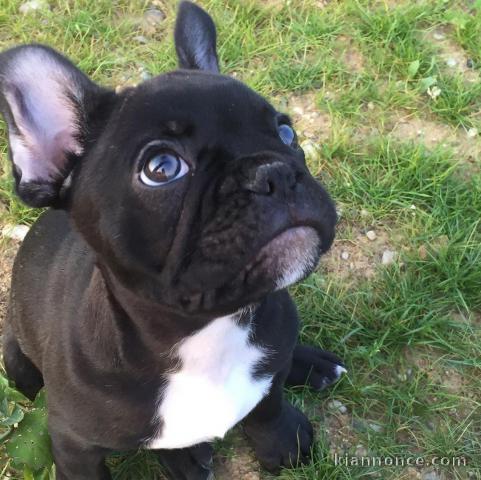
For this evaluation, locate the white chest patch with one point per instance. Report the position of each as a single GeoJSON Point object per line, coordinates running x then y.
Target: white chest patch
{"type": "Point", "coordinates": [214, 388]}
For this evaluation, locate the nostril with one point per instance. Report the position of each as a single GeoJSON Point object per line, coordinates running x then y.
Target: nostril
{"type": "Point", "coordinates": [295, 179]}
{"type": "Point", "coordinates": [270, 187]}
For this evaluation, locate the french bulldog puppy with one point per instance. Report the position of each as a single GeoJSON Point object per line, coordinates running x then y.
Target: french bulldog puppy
{"type": "Point", "coordinates": [150, 298]}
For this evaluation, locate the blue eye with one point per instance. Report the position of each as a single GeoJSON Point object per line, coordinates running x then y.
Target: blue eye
{"type": "Point", "coordinates": [286, 133]}
{"type": "Point", "coordinates": [163, 168]}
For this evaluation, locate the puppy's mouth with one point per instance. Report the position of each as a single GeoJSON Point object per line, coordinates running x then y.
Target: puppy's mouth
{"type": "Point", "coordinates": [289, 257]}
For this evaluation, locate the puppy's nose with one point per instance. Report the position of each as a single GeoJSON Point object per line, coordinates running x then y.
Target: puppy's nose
{"type": "Point", "coordinates": [274, 178]}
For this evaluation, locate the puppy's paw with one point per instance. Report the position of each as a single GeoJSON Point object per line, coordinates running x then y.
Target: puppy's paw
{"type": "Point", "coordinates": [314, 367]}
{"type": "Point", "coordinates": [194, 463]}
{"type": "Point", "coordinates": [286, 442]}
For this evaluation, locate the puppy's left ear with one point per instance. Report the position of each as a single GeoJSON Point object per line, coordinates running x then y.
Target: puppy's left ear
{"type": "Point", "coordinates": [195, 39]}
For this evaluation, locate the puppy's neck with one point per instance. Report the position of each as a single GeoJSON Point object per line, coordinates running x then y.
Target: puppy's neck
{"type": "Point", "coordinates": [139, 326]}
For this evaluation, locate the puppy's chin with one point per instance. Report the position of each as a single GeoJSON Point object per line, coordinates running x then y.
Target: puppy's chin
{"type": "Point", "coordinates": [290, 256]}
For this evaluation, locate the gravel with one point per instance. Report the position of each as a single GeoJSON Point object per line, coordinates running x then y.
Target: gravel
{"type": "Point", "coordinates": [151, 19]}
{"type": "Point", "coordinates": [388, 257]}
{"type": "Point", "coordinates": [472, 132]}
{"type": "Point", "coordinates": [337, 406]}
{"type": "Point", "coordinates": [15, 232]}
{"type": "Point", "coordinates": [311, 151]}
{"type": "Point", "coordinates": [431, 475]}
{"type": "Point", "coordinates": [141, 39]}
{"type": "Point", "coordinates": [33, 6]}
{"type": "Point", "coordinates": [375, 427]}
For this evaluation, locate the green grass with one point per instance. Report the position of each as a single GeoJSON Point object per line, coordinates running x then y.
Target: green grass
{"type": "Point", "coordinates": [402, 329]}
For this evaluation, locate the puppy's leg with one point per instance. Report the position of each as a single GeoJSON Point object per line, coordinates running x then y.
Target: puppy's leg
{"type": "Point", "coordinates": [314, 367]}
{"type": "Point", "coordinates": [19, 368]}
{"type": "Point", "coordinates": [281, 434]}
{"type": "Point", "coordinates": [77, 461]}
{"type": "Point", "coordinates": [193, 463]}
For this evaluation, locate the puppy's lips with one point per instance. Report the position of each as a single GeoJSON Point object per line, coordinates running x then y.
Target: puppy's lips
{"type": "Point", "coordinates": [289, 256]}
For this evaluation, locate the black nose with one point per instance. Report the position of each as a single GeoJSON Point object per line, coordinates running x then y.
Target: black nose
{"type": "Point", "coordinates": [274, 178]}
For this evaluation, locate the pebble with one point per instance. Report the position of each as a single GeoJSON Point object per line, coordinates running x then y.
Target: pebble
{"type": "Point", "coordinates": [472, 132]}
{"type": "Point", "coordinates": [309, 134]}
{"type": "Point", "coordinates": [431, 475]}
{"type": "Point", "coordinates": [311, 151]}
{"type": "Point", "coordinates": [361, 451]}
{"type": "Point", "coordinates": [371, 235]}
{"type": "Point", "coordinates": [451, 62]}
{"type": "Point", "coordinates": [33, 6]}
{"type": "Point", "coordinates": [141, 39]}
{"type": "Point", "coordinates": [434, 92]}
{"type": "Point", "coordinates": [364, 213]}
{"type": "Point", "coordinates": [151, 19]}
{"type": "Point", "coordinates": [359, 425]}
{"type": "Point", "coordinates": [144, 75]}
{"type": "Point", "coordinates": [439, 36]}
{"type": "Point", "coordinates": [370, 106]}
{"type": "Point", "coordinates": [470, 63]}
{"type": "Point", "coordinates": [412, 474]}
{"type": "Point", "coordinates": [431, 425]}
{"type": "Point", "coordinates": [345, 255]}
{"type": "Point", "coordinates": [388, 257]}
{"type": "Point", "coordinates": [298, 111]}
{"type": "Point", "coordinates": [336, 405]}
{"type": "Point", "coordinates": [15, 232]}
{"type": "Point", "coordinates": [376, 427]}
{"type": "Point", "coordinates": [363, 426]}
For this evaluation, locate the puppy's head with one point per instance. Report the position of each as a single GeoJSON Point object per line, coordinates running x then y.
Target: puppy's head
{"type": "Point", "coordinates": [191, 188]}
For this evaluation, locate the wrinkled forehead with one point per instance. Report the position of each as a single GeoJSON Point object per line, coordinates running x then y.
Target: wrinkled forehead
{"type": "Point", "coordinates": [189, 100]}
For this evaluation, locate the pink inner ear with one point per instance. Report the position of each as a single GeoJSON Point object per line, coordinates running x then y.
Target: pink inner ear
{"type": "Point", "coordinates": [45, 117]}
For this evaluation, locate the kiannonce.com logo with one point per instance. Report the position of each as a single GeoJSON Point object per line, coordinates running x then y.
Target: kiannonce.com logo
{"type": "Point", "coordinates": [398, 461]}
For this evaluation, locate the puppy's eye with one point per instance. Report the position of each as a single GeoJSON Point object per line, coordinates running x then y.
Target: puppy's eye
{"type": "Point", "coordinates": [163, 168]}
{"type": "Point", "coordinates": [286, 133]}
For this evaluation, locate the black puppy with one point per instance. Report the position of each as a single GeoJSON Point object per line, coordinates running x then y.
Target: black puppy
{"type": "Point", "coordinates": [150, 300]}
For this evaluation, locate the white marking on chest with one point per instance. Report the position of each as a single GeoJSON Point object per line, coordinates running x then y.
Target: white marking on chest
{"type": "Point", "coordinates": [213, 389]}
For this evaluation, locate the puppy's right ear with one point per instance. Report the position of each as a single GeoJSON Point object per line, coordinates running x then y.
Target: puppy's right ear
{"type": "Point", "coordinates": [46, 102]}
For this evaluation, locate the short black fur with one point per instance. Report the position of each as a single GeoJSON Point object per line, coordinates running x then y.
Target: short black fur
{"type": "Point", "coordinates": [117, 273]}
